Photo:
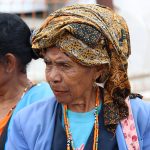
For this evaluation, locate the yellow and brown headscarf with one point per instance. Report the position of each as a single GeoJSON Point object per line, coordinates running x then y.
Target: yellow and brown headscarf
{"type": "Point", "coordinates": [93, 35]}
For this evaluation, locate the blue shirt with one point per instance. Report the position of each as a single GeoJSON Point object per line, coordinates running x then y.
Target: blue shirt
{"type": "Point", "coordinates": [46, 132]}
{"type": "Point", "coordinates": [37, 93]}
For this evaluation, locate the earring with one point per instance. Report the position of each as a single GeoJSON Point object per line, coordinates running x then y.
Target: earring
{"type": "Point", "coordinates": [99, 84]}
{"type": "Point", "coordinates": [95, 84]}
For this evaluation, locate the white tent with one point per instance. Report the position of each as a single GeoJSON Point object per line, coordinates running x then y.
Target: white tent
{"type": "Point", "coordinates": [22, 6]}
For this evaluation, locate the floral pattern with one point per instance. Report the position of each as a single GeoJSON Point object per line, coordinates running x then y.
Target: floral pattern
{"type": "Point", "coordinates": [129, 130]}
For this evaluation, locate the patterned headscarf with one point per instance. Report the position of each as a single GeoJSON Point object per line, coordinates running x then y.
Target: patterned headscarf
{"type": "Point", "coordinates": [93, 35]}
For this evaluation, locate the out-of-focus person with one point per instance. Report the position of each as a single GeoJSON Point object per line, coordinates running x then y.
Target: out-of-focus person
{"type": "Point", "coordinates": [16, 90]}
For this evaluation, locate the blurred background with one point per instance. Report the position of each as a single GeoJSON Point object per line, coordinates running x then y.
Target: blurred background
{"type": "Point", "coordinates": [135, 12]}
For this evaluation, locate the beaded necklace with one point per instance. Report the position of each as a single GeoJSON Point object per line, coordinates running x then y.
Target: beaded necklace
{"type": "Point", "coordinates": [96, 126]}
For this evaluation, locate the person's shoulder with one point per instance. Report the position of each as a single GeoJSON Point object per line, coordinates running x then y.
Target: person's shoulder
{"type": "Point", "coordinates": [141, 114]}
{"type": "Point", "coordinates": [38, 92]}
{"type": "Point", "coordinates": [141, 111]}
{"type": "Point", "coordinates": [41, 85]}
{"type": "Point", "coordinates": [140, 104]}
{"type": "Point", "coordinates": [46, 102]}
{"type": "Point", "coordinates": [35, 120]}
{"type": "Point", "coordinates": [38, 109]}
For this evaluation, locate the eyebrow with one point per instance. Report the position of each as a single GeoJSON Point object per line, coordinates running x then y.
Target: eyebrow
{"type": "Point", "coordinates": [58, 61]}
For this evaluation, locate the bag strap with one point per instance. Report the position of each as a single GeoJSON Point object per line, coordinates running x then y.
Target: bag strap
{"type": "Point", "coordinates": [129, 130]}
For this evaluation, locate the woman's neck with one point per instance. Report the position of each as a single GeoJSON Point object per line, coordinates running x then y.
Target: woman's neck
{"type": "Point", "coordinates": [85, 104]}
{"type": "Point", "coordinates": [11, 93]}
{"type": "Point", "coordinates": [13, 88]}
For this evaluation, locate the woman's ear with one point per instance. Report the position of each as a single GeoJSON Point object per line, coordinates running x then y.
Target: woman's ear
{"type": "Point", "coordinates": [10, 62]}
{"type": "Point", "coordinates": [102, 72]}
{"type": "Point", "coordinates": [98, 72]}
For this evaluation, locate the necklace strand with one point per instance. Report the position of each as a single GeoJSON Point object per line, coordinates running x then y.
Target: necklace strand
{"type": "Point", "coordinates": [96, 126]}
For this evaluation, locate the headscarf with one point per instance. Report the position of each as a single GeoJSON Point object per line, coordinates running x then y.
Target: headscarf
{"type": "Point", "coordinates": [92, 35]}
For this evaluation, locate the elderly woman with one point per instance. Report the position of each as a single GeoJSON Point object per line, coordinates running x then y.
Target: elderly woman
{"type": "Point", "coordinates": [85, 49]}
{"type": "Point", "coordinates": [16, 90]}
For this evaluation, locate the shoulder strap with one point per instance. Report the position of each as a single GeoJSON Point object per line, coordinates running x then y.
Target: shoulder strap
{"type": "Point", "coordinates": [129, 130]}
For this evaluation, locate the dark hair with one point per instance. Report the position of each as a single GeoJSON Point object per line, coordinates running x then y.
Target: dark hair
{"type": "Point", "coordinates": [15, 39]}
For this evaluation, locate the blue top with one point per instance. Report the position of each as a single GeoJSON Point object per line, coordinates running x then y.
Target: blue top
{"type": "Point", "coordinates": [31, 132]}
{"type": "Point", "coordinates": [37, 93]}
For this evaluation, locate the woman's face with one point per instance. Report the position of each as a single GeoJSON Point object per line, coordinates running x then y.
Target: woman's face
{"type": "Point", "coordinates": [69, 80]}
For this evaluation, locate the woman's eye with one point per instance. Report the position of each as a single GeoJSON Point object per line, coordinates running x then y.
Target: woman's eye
{"type": "Point", "coordinates": [66, 66]}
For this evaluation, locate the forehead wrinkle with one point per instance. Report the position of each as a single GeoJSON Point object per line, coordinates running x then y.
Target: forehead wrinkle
{"type": "Point", "coordinates": [59, 57]}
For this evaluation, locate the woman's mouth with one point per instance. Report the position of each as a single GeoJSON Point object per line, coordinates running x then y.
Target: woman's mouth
{"type": "Point", "coordinates": [59, 92]}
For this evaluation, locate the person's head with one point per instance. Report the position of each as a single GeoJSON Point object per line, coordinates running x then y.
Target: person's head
{"type": "Point", "coordinates": [69, 80]}
{"type": "Point", "coordinates": [95, 41]}
{"type": "Point", "coordinates": [15, 47]}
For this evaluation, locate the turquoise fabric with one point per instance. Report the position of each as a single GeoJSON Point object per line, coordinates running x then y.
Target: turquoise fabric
{"type": "Point", "coordinates": [81, 125]}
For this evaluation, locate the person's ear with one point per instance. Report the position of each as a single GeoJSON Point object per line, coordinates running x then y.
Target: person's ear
{"type": "Point", "coordinates": [99, 71]}
{"type": "Point", "coordinates": [10, 62]}
{"type": "Point", "coordinates": [102, 72]}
